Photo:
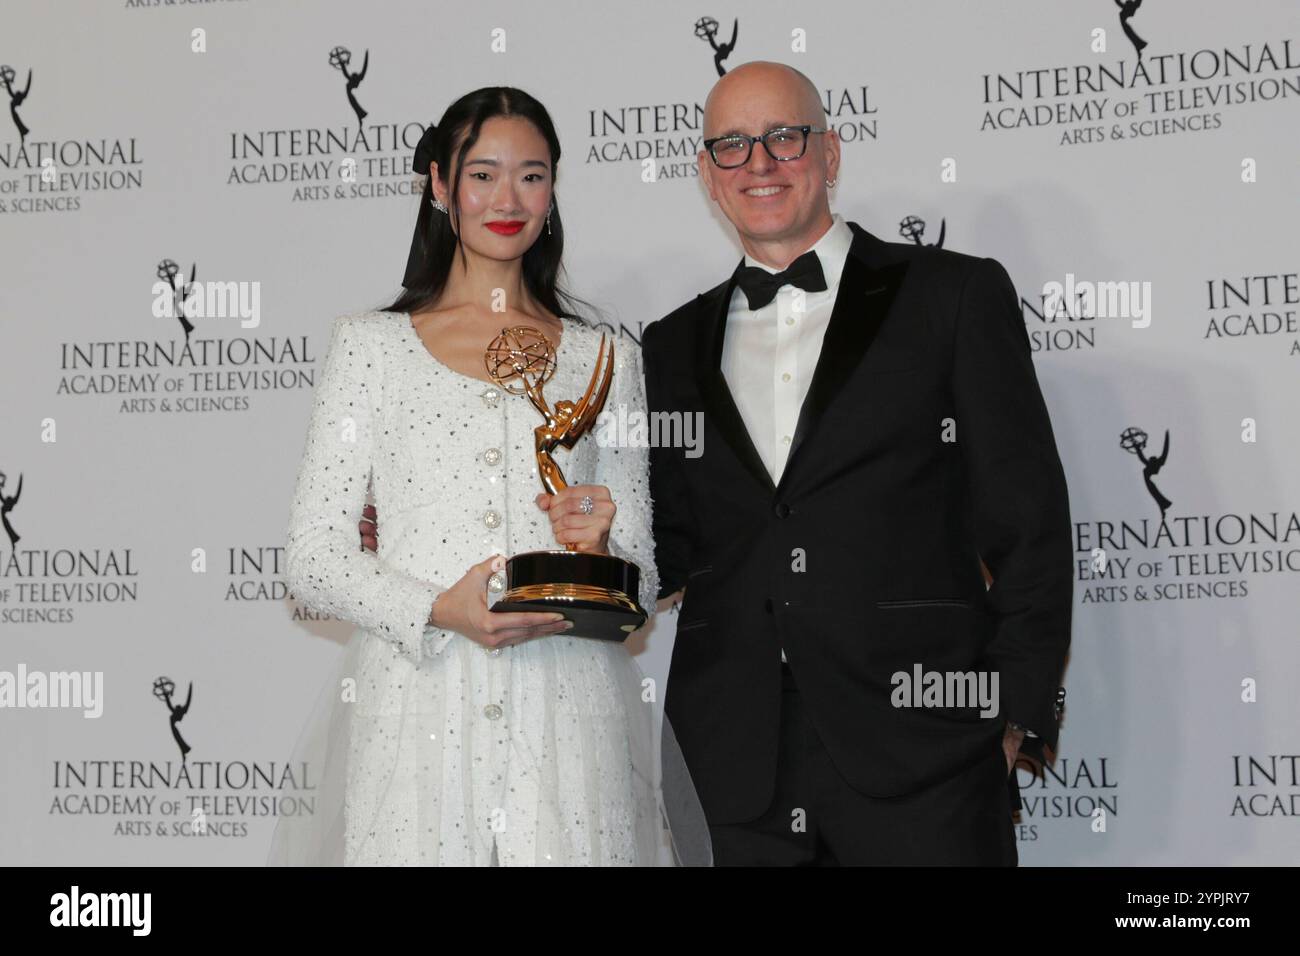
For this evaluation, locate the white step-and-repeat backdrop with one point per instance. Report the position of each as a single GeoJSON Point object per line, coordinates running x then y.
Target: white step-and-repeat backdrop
{"type": "Point", "coordinates": [1143, 156]}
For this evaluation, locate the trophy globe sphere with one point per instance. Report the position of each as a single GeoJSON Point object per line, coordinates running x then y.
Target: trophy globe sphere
{"type": "Point", "coordinates": [911, 228]}
{"type": "Point", "coordinates": [706, 27]}
{"type": "Point", "coordinates": [520, 355]}
{"type": "Point", "coordinates": [1133, 440]}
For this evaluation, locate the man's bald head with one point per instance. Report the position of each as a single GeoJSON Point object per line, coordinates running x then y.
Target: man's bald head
{"type": "Point", "coordinates": [743, 84]}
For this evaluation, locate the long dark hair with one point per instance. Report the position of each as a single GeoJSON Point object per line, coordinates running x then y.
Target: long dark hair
{"type": "Point", "coordinates": [434, 246]}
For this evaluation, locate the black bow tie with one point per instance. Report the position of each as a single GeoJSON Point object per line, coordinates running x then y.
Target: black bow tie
{"type": "Point", "coordinates": [760, 286]}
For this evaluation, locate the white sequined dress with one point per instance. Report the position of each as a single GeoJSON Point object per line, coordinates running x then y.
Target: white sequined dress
{"type": "Point", "coordinates": [431, 749]}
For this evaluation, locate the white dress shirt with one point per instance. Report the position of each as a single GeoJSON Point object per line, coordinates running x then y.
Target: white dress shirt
{"type": "Point", "coordinates": [769, 354]}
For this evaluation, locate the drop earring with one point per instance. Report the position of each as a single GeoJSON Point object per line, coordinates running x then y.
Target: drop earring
{"type": "Point", "coordinates": [548, 218]}
{"type": "Point", "coordinates": [437, 204]}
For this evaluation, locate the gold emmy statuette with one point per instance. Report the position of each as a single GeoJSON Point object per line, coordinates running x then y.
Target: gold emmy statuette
{"type": "Point", "coordinates": [598, 592]}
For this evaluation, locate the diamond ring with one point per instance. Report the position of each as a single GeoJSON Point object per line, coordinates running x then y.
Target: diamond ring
{"type": "Point", "coordinates": [586, 505]}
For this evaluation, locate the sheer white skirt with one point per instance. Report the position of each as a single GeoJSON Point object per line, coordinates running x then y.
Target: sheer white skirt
{"type": "Point", "coordinates": [550, 753]}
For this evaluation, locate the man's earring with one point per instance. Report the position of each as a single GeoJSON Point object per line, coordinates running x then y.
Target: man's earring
{"type": "Point", "coordinates": [437, 204]}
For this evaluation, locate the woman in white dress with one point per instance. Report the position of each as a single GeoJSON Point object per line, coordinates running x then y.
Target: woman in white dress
{"type": "Point", "coordinates": [453, 735]}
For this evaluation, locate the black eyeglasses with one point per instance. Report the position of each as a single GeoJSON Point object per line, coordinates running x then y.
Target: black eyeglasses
{"type": "Point", "coordinates": [783, 144]}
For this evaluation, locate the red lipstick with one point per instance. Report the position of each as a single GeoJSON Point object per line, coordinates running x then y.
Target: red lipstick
{"type": "Point", "coordinates": [505, 227]}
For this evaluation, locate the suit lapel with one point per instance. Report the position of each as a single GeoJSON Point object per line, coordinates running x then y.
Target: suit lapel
{"type": "Point", "coordinates": [719, 404]}
{"type": "Point", "coordinates": [865, 293]}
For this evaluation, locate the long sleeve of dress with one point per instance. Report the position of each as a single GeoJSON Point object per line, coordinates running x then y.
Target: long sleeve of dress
{"type": "Point", "coordinates": [625, 470]}
{"type": "Point", "coordinates": [326, 568]}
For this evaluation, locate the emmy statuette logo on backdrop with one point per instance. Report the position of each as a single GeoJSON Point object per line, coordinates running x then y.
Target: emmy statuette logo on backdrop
{"type": "Point", "coordinates": [7, 504]}
{"type": "Point", "coordinates": [913, 228]}
{"type": "Point", "coordinates": [16, 97]}
{"type": "Point", "coordinates": [163, 689]}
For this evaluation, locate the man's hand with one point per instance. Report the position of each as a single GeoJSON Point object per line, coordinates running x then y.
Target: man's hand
{"type": "Point", "coordinates": [1011, 741]}
{"type": "Point", "coordinates": [369, 528]}
{"type": "Point", "coordinates": [590, 532]}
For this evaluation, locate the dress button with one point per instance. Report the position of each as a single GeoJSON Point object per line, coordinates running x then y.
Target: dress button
{"type": "Point", "coordinates": [492, 456]}
{"type": "Point", "coordinates": [789, 320]}
{"type": "Point", "coordinates": [782, 510]}
{"type": "Point", "coordinates": [496, 582]}
{"type": "Point", "coordinates": [491, 397]}
{"type": "Point", "coordinates": [492, 651]}
{"type": "Point", "coordinates": [492, 712]}
{"type": "Point", "coordinates": [491, 519]}
{"type": "Point", "coordinates": [785, 376]}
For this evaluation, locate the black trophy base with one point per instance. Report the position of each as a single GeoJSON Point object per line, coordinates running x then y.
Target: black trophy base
{"type": "Point", "coordinates": [597, 592]}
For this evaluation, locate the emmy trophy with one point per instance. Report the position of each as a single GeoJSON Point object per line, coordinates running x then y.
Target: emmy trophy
{"type": "Point", "coordinates": [597, 592]}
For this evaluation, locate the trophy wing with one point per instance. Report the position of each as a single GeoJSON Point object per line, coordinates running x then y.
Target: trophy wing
{"type": "Point", "coordinates": [1164, 452]}
{"type": "Point", "coordinates": [593, 400]}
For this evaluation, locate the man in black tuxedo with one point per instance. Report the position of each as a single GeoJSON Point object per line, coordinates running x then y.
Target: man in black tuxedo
{"type": "Point", "coordinates": [873, 432]}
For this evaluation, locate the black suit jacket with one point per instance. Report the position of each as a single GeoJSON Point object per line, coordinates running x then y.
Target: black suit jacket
{"type": "Point", "coordinates": [893, 520]}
